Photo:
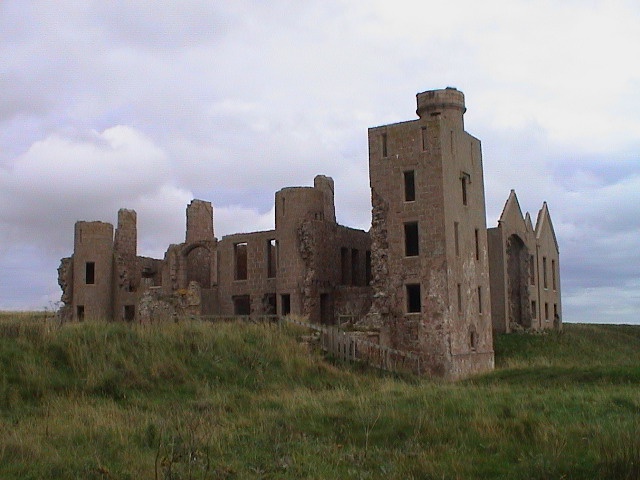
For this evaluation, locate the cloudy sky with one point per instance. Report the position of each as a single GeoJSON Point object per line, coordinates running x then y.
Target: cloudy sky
{"type": "Point", "coordinates": [147, 104]}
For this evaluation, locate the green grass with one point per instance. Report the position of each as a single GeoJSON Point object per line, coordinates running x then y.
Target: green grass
{"type": "Point", "coordinates": [195, 400]}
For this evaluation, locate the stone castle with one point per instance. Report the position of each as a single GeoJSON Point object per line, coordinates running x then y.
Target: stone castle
{"type": "Point", "coordinates": [428, 277]}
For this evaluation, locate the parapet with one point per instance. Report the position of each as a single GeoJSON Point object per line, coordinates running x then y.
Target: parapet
{"type": "Point", "coordinates": [448, 102]}
{"type": "Point", "coordinates": [89, 232]}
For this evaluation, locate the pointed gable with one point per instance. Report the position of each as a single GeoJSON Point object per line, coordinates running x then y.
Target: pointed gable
{"type": "Point", "coordinates": [511, 218]}
{"type": "Point", "coordinates": [544, 226]}
{"type": "Point", "coordinates": [528, 224]}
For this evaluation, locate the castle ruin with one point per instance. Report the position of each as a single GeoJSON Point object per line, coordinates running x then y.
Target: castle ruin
{"type": "Point", "coordinates": [428, 277]}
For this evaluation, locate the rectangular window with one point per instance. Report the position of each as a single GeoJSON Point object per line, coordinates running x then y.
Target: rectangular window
{"type": "Point", "coordinates": [544, 272]}
{"type": "Point", "coordinates": [90, 273]}
{"type": "Point", "coordinates": [344, 266]}
{"type": "Point", "coordinates": [409, 186]}
{"type": "Point", "coordinates": [384, 145]}
{"type": "Point", "coordinates": [479, 299]}
{"type": "Point", "coordinates": [456, 237]}
{"type": "Point", "coordinates": [242, 305]}
{"type": "Point", "coordinates": [423, 133]}
{"type": "Point", "coordinates": [411, 242]}
{"type": "Point", "coordinates": [459, 298]}
{"type": "Point", "coordinates": [534, 309]}
{"type": "Point", "coordinates": [546, 311]}
{"type": "Point", "coordinates": [272, 255]}
{"type": "Point", "coordinates": [80, 313]}
{"type": "Point", "coordinates": [414, 303]}
{"type": "Point", "coordinates": [354, 266]}
{"type": "Point", "coordinates": [129, 313]}
{"type": "Point", "coordinates": [555, 312]}
{"type": "Point", "coordinates": [553, 274]}
{"type": "Point", "coordinates": [269, 303]}
{"type": "Point", "coordinates": [240, 260]}
{"type": "Point", "coordinates": [477, 234]}
{"type": "Point", "coordinates": [463, 182]}
{"type": "Point", "coordinates": [532, 270]}
{"type": "Point", "coordinates": [285, 300]}
{"type": "Point", "coordinates": [368, 268]}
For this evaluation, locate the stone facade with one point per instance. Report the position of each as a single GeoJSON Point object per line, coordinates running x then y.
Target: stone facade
{"type": "Point", "coordinates": [525, 271]}
{"type": "Point", "coordinates": [425, 279]}
{"type": "Point", "coordinates": [298, 268]}
{"type": "Point", "coordinates": [431, 273]}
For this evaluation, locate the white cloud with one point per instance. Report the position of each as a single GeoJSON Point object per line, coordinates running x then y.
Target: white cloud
{"type": "Point", "coordinates": [119, 104]}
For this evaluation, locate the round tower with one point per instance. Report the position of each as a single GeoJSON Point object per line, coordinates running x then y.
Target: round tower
{"type": "Point", "coordinates": [294, 204]}
{"type": "Point", "coordinates": [447, 103]}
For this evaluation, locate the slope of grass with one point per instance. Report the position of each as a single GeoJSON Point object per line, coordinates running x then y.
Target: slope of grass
{"type": "Point", "coordinates": [193, 400]}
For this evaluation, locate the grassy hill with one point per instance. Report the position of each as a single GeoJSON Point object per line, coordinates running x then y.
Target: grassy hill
{"type": "Point", "coordinates": [194, 400]}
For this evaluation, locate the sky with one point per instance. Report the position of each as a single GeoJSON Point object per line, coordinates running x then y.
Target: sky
{"type": "Point", "coordinates": [148, 104]}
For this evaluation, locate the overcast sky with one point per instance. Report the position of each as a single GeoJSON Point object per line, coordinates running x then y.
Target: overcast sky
{"type": "Point", "coordinates": [148, 104]}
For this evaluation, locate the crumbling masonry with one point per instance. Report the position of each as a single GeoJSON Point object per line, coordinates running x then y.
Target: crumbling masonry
{"type": "Point", "coordinates": [428, 277]}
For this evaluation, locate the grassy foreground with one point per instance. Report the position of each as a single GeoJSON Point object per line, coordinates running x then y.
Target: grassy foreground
{"type": "Point", "coordinates": [192, 401]}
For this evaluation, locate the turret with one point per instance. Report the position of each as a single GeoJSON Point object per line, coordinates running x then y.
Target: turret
{"type": "Point", "coordinates": [447, 103]}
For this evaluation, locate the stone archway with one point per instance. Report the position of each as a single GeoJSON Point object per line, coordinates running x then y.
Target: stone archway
{"type": "Point", "coordinates": [517, 279]}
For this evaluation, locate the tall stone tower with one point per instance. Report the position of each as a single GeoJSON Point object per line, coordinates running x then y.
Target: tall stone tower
{"type": "Point", "coordinates": [429, 238]}
{"type": "Point", "coordinates": [93, 271]}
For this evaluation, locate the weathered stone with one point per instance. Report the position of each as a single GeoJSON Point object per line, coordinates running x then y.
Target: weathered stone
{"type": "Point", "coordinates": [418, 281]}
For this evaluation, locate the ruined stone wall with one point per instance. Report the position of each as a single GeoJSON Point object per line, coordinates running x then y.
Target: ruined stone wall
{"type": "Point", "coordinates": [408, 149]}
{"type": "Point", "coordinates": [65, 281]}
{"type": "Point", "coordinates": [467, 254]}
{"type": "Point", "coordinates": [326, 184]}
{"type": "Point", "coordinates": [497, 269]}
{"type": "Point", "coordinates": [549, 298]}
{"type": "Point", "coordinates": [254, 280]}
{"type": "Point", "coordinates": [199, 222]}
{"type": "Point", "coordinates": [424, 237]}
{"type": "Point", "coordinates": [294, 206]}
{"type": "Point", "coordinates": [333, 256]}
{"type": "Point", "coordinates": [93, 270]}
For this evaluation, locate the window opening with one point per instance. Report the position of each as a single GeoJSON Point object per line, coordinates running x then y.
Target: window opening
{"type": "Point", "coordinates": [479, 299]}
{"type": "Point", "coordinates": [544, 272]}
{"type": "Point", "coordinates": [414, 303]}
{"type": "Point", "coordinates": [242, 305]}
{"type": "Point", "coordinates": [477, 234]}
{"type": "Point", "coordinates": [344, 266]}
{"type": "Point", "coordinates": [269, 303]}
{"type": "Point", "coordinates": [80, 312]}
{"type": "Point", "coordinates": [463, 181]}
{"type": "Point", "coordinates": [546, 311]}
{"type": "Point", "coordinates": [423, 132]}
{"type": "Point", "coordinates": [384, 145]}
{"type": "Point", "coordinates": [354, 266]}
{"type": "Point", "coordinates": [240, 255]}
{"type": "Point", "coordinates": [409, 186]}
{"type": "Point", "coordinates": [129, 313]}
{"type": "Point", "coordinates": [368, 268]}
{"type": "Point", "coordinates": [456, 237]}
{"type": "Point", "coordinates": [90, 273]}
{"type": "Point", "coordinates": [534, 309]}
{"type": "Point", "coordinates": [411, 243]}
{"type": "Point", "coordinates": [272, 252]}
{"type": "Point", "coordinates": [326, 309]}
{"type": "Point", "coordinates": [459, 298]}
{"type": "Point", "coordinates": [532, 270]}
{"type": "Point", "coordinates": [553, 274]}
{"type": "Point", "coordinates": [285, 301]}
{"type": "Point", "coordinates": [473, 340]}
